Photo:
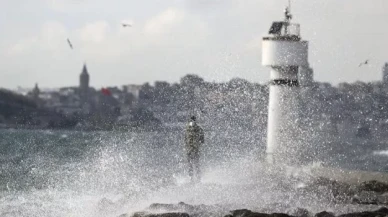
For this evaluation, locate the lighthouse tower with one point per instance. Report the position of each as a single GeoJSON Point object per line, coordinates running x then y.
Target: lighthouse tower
{"type": "Point", "coordinates": [284, 51]}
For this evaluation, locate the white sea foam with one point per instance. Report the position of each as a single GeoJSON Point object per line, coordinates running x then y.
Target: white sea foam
{"type": "Point", "coordinates": [383, 153]}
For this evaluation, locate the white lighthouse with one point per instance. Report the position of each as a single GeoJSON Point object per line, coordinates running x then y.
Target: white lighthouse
{"type": "Point", "coordinates": [285, 53]}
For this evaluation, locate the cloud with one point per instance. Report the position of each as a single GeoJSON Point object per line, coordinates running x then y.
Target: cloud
{"type": "Point", "coordinates": [169, 40]}
{"type": "Point", "coordinates": [64, 5]}
{"type": "Point", "coordinates": [254, 44]}
{"type": "Point", "coordinates": [21, 46]}
{"type": "Point", "coordinates": [50, 37]}
{"type": "Point", "coordinates": [216, 39]}
{"type": "Point", "coordinates": [164, 22]}
{"type": "Point", "coordinates": [94, 32]}
{"type": "Point", "coordinates": [173, 27]}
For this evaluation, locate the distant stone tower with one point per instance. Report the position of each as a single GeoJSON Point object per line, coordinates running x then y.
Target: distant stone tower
{"type": "Point", "coordinates": [84, 84]}
{"type": "Point", "coordinates": [35, 92]}
{"type": "Point", "coordinates": [385, 74]}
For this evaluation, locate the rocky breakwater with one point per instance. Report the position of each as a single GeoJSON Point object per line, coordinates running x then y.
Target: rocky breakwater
{"type": "Point", "coordinates": [366, 199]}
{"type": "Point", "coordinates": [185, 210]}
{"type": "Point", "coordinates": [366, 193]}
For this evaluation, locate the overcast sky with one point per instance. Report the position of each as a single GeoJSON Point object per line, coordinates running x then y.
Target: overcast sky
{"type": "Point", "coordinates": [217, 39]}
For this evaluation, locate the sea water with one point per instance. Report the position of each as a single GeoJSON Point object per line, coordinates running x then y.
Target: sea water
{"type": "Point", "coordinates": [71, 173]}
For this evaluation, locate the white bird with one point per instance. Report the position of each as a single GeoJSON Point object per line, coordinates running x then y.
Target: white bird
{"type": "Point", "coordinates": [364, 63]}
{"type": "Point", "coordinates": [126, 25]}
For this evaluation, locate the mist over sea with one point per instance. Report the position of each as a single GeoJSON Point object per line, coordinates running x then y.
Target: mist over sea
{"type": "Point", "coordinates": [71, 173]}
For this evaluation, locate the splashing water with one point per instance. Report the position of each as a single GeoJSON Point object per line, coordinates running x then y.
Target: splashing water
{"type": "Point", "coordinates": [44, 173]}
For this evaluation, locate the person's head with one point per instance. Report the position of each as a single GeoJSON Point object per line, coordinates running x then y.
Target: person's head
{"type": "Point", "coordinates": [192, 121]}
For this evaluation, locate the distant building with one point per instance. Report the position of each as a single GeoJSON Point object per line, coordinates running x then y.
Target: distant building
{"type": "Point", "coordinates": [385, 74]}
{"type": "Point", "coordinates": [35, 95]}
{"type": "Point", "coordinates": [35, 92]}
{"type": "Point", "coordinates": [161, 85]}
{"type": "Point", "coordinates": [132, 89]}
{"type": "Point", "coordinates": [84, 84]}
{"type": "Point", "coordinates": [306, 76]}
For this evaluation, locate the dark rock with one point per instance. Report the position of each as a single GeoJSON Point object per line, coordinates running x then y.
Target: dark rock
{"type": "Point", "coordinates": [363, 214]}
{"type": "Point", "coordinates": [168, 214]}
{"type": "Point", "coordinates": [370, 198]}
{"type": "Point", "coordinates": [104, 202]}
{"type": "Point", "coordinates": [341, 192]}
{"type": "Point", "coordinates": [276, 207]}
{"type": "Point", "coordinates": [171, 214]}
{"type": "Point", "coordinates": [299, 212]}
{"type": "Point", "coordinates": [373, 185]}
{"type": "Point", "coordinates": [241, 213]}
{"type": "Point", "coordinates": [324, 214]}
{"type": "Point", "coordinates": [139, 214]}
{"type": "Point", "coordinates": [365, 197]}
{"type": "Point", "coordinates": [321, 181]}
{"type": "Point", "coordinates": [156, 206]}
{"type": "Point", "coordinates": [359, 201]}
{"type": "Point", "coordinates": [247, 213]}
{"type": "Point", "coordinates": [279, 215]}
{"type": "Point", "coordinates": [173, 207]}
{"type": "Point", "coordinates": [382, 212]}
{"type": "Point", "coordinates": [382, 199]}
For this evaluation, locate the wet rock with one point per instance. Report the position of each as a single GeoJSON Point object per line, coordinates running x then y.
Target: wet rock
{"type": "Point", "coordinates": [365, 197]}
{"type": "Point", "coordinates": [197, 210]}
{"type": "Point", "coordinates": [163, 206]}
{"type": "Point", "coordinates": [105, 207]}
{"type": "Point", "coordinates": [104, 202]}
{"type": "Point", "coordinates": [322, 181]}
{"type": "Point", "coordinates": [279, 215]}
{"type": "Point", "coordinates": [330, 189]}
{"type": "Point", "coordinates": [340, 191]}
{"type": "Point", "coordinates": [139, 214]}
{"type": "Point", "coordinates": [192, 210]}
{"type": "Point", "coordinates": [173, 207]}
{"type": "Point", "coordinates": [370, 198]}
{"type": "Point", "coordinates": [172, 214]}
{"type": "Point", "coordinates": [247, 213]}
{"type": "Point", "coordinates": [361, 214]}
{"type": "Point", "coordinates": [299, 212]}
{"type": "Point", "coordinates": [383, 199]}
{"type": "Point", "coordinates": [374, 186]}
{"type": "Point", "coordinates": [168, 214]}
{"type": "Point", "coordinates": [277, 208]}
{"type": "Point", "coordinates": [172, 210]}
{"type": "Point", "coordinates": [365, 193]}
{"type": "Point", "coordinates": [377, 213]}
{"type": "Point", "coordinates": [324, 214]}
{"type": "Point", "coordinates": [383, 210]}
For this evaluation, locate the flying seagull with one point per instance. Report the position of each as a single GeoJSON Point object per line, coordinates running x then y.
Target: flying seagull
{"type": "Point", "coordinates": [126, 25]}
{"type": "Point", "coordinates": [70, 44]}
{"type": "Point", "coordinates": [364, 63]}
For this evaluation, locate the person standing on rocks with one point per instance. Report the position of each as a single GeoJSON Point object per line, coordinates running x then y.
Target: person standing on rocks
{"type": "Point", "coordinates": [194, 139]}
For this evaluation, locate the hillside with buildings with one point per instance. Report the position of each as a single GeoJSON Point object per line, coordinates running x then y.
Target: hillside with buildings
{"type": "Point", "coordinates": [18, 111]}
{"type": "Point", "coordinates": [237, 104]}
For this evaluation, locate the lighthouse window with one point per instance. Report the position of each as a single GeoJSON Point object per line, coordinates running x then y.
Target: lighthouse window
{"type": "Point", "coordinates": [276, 28]}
